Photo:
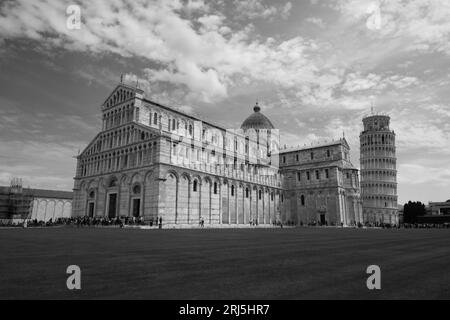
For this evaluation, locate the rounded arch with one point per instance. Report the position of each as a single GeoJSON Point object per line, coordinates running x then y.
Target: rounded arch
{"type": "Point", "coordinates": [148, 175]}
{"type": "Point", "coordinates": [112, 181]}
{"type": "Point", "coordinates": [83, 185]}
{"type": "Point", "coordinates": [186, 176]}
{"type": "Point", "coordinates": [207, 179]}
{"type": "Point", "coordinates": [197, 177]}
{"type": "Point", "coordinates": [171, 172]}
{"type": "Point", "coordinates": [124, 179]}
{"type": "Point", "coordinates": [92, 184]}
{"type": "Point", "coordinates": [136, 178]}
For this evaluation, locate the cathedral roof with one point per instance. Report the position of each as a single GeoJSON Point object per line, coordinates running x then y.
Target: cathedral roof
{"type": "Point", "coordinates": [316, 145]}
{"type": "Point", "coordinates": [257, 120]}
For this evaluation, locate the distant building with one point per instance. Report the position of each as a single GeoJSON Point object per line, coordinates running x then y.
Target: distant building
{"type": "Point", "coordinates": [440, 208]}
{"type": "Point", "coordinates": [17, 203]}
{"type": "Point", "coordinates": [378, 170]}
{"type": "Point", "coordinates": [436, 213]}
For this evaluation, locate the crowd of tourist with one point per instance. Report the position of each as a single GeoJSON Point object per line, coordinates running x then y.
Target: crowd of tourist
{"type": "Point", "coordinates": [157, 222]}
{"type": "Point", "coordinates": [86, 222]}
{"type": "Point", "coordinates": [445, 225]}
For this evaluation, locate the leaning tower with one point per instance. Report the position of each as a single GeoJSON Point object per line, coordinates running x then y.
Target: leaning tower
{"type": "Point", "coordinates": [378, 170]}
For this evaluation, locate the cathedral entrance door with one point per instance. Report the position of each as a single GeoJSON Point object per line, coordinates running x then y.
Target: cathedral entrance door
{"type": "Point", "coordinates": [136, 207]}
{"type": "Point", "coordinates": [322, 219]}
{"type": "Point", "coordinates": [112, 205]}
{"type": "Point", "coordinates": [91, 210]}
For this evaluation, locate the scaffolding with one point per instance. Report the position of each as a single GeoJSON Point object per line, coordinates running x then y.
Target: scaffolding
{"type": "Point", "coordinates": [20, 200]}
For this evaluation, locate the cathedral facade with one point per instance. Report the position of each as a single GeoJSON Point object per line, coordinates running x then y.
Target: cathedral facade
{"type": "Point", "coordinates": [153, 161]}
{"type": "Point", "coordinates": [321, 185]}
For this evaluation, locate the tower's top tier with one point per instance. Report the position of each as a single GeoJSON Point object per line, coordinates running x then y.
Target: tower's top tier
{"type": "Point", "coordinates": [376, 123]}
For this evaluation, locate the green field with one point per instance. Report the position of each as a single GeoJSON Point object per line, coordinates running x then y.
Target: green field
{"type": "Point", "coordinates": [303, 263]}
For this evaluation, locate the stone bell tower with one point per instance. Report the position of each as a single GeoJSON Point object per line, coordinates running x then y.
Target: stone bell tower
{"type": "Point", "coordinates": [378, 170]}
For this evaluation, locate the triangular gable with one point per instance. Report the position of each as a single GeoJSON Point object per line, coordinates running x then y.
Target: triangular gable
{"type": "Point", "coordinates": [122, 92]}
{"type": "Point", "coordinates": [135, 124]}
{"type": "Point", "coordinates": [345, 143]}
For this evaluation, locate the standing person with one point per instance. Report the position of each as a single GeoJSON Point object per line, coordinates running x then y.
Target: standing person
{"type": "Point", "coordinates": [203, 222]}
{"type": "Point", "coordinates": [160, 222]}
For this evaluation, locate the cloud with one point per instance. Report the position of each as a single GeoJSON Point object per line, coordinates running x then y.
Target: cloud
{"type": "Point", "coordinates": [316, 21]}
{"type": "Point", "coordinates": [358, 82]}
{"type": "Point", "coordinates": [424, 25]}
{"type": "Point", "coordinates": [416, 174]}
{"type": "Point", "coordinates": [254, 9]}
{"type": "Point", "coordinates": [205, 59]}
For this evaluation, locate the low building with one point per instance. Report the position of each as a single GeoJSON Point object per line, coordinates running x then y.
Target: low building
{"type": "Point", "coordinates": [440, 208]}
{"type": "Point", "coordinates": [17, 203]}
{"type": "Point", "coordinates": [436, 213]}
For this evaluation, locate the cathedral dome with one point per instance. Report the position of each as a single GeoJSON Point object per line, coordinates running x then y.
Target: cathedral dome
{"type": "Point", "coordinates": [257, 120]}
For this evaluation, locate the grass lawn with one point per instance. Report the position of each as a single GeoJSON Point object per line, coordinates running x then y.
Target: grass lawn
{"type": "Point", "coordinates": [298, 263]}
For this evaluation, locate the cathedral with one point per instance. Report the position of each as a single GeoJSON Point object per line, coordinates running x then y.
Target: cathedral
{"type": "Point", "coordinates": [153, 161]}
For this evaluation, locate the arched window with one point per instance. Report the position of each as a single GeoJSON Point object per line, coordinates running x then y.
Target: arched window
{"type": "Point", "coordinates": [194, 187]}
{"type": "Point", "coordinates": [215, 187]}
{"type": "Point", "coordinates": [260, 195]}
{"type": "Point", "coordinates": [246, 192]}
{"type": "Point", "coordinates": [155, 118]}
{"type": "Point", "coordinates": [92, 194]}
{"type": "Point", "coordinates": [232, 191]}
{"type": "Point", "coordinates": [302, 200]}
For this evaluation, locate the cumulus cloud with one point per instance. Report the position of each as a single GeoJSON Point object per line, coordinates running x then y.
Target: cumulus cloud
{"type": "Point", "coordinates": [358, 82]}
{"type": "Point", "coordinates": [317, 21]}
{"type": "Point", "coordinates": [411, 173]}
{"type": "Point", "coordinates": [424, 25]}
{"type": "Point", "coordinates": [203, 59]}
{"type": "Point", "coordinates": [258, 9]}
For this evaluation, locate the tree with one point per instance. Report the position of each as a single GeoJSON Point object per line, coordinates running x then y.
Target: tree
{"type": "Point", "coordinates": [412, 210]}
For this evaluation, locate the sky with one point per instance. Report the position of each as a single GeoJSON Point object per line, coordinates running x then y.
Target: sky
{"type": "Point", "coordinates": [315, 67]}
